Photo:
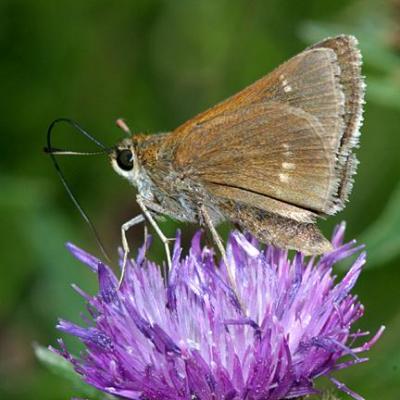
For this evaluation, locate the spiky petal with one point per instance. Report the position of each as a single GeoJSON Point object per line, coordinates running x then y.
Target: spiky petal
{"type": "Point", "coordinates": [191, 339]}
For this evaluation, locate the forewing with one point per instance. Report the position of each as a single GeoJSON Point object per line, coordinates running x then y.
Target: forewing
{"type": "Point", "coordinates": [288, 136]}
{"type": "Point", "coordinates": [272, 150]}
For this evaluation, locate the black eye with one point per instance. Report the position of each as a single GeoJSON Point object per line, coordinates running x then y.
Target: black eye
{"type": "Point", "coordinates": [125, 159]}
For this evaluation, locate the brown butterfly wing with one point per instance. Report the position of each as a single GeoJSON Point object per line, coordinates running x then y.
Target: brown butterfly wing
{"type": "Point", "coordinates": [353, 86]}
{"type": "Point", "coordinates": [270, 150]}
{"type": "Point", "coordinates": [287, 138]}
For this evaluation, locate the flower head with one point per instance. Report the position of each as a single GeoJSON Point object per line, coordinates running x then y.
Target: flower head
{"type": "Point", "coordinates": [190, 338]}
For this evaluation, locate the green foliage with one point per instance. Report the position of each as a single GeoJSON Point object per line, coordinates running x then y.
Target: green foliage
{"type": "Point", "coordinates": [383, 236]}
{"type": "Point", "coordinates": [59, 366]}
{"type": "Point", "coordinates": [329, 396]}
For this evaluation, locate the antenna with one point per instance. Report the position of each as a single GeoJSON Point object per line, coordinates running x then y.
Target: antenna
{"type": "Point", "coordinates": [52, 152]}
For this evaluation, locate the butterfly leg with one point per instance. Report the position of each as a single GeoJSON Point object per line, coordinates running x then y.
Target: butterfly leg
{"type": "Point", "coordinates": [148, 206]}
{"type": "Point", "coordinates": [218, 241]}
{"type": "Point", "coordinates": [124, 228]}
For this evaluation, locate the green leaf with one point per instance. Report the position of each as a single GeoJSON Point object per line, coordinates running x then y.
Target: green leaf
{"type": "Point", "coordinates": [61, 367]}
{"type": "Point", "coordinates": [383, 236]}
{"type": "Point", "coordinates": [55, 363]}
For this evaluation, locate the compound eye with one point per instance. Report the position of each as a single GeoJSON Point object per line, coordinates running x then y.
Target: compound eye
{"type": "Point", "coordinates": [125, 160]}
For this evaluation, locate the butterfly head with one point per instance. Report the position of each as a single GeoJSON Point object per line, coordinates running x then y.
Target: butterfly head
{"type": "Point", "coordinates": [124, 160]}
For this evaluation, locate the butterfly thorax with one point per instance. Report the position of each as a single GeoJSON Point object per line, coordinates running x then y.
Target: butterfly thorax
{"type": "Point", "coordinates": [171, 187]}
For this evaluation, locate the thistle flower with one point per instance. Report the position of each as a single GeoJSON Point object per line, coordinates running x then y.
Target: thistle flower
{"type": "Point", "coordinates": [191, 339]}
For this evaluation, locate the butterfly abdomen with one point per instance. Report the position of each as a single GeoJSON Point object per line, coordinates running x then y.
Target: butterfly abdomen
{"type": "Point", "coordinates": [276, 230]}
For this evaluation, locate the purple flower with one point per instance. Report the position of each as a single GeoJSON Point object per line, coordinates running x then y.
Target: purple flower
{"type": "Point", "coordinates": [190, 339]}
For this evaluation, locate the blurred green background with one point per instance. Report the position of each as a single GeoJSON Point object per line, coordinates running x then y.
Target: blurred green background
{"type": "Point", "coordinates": [157, 63]}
